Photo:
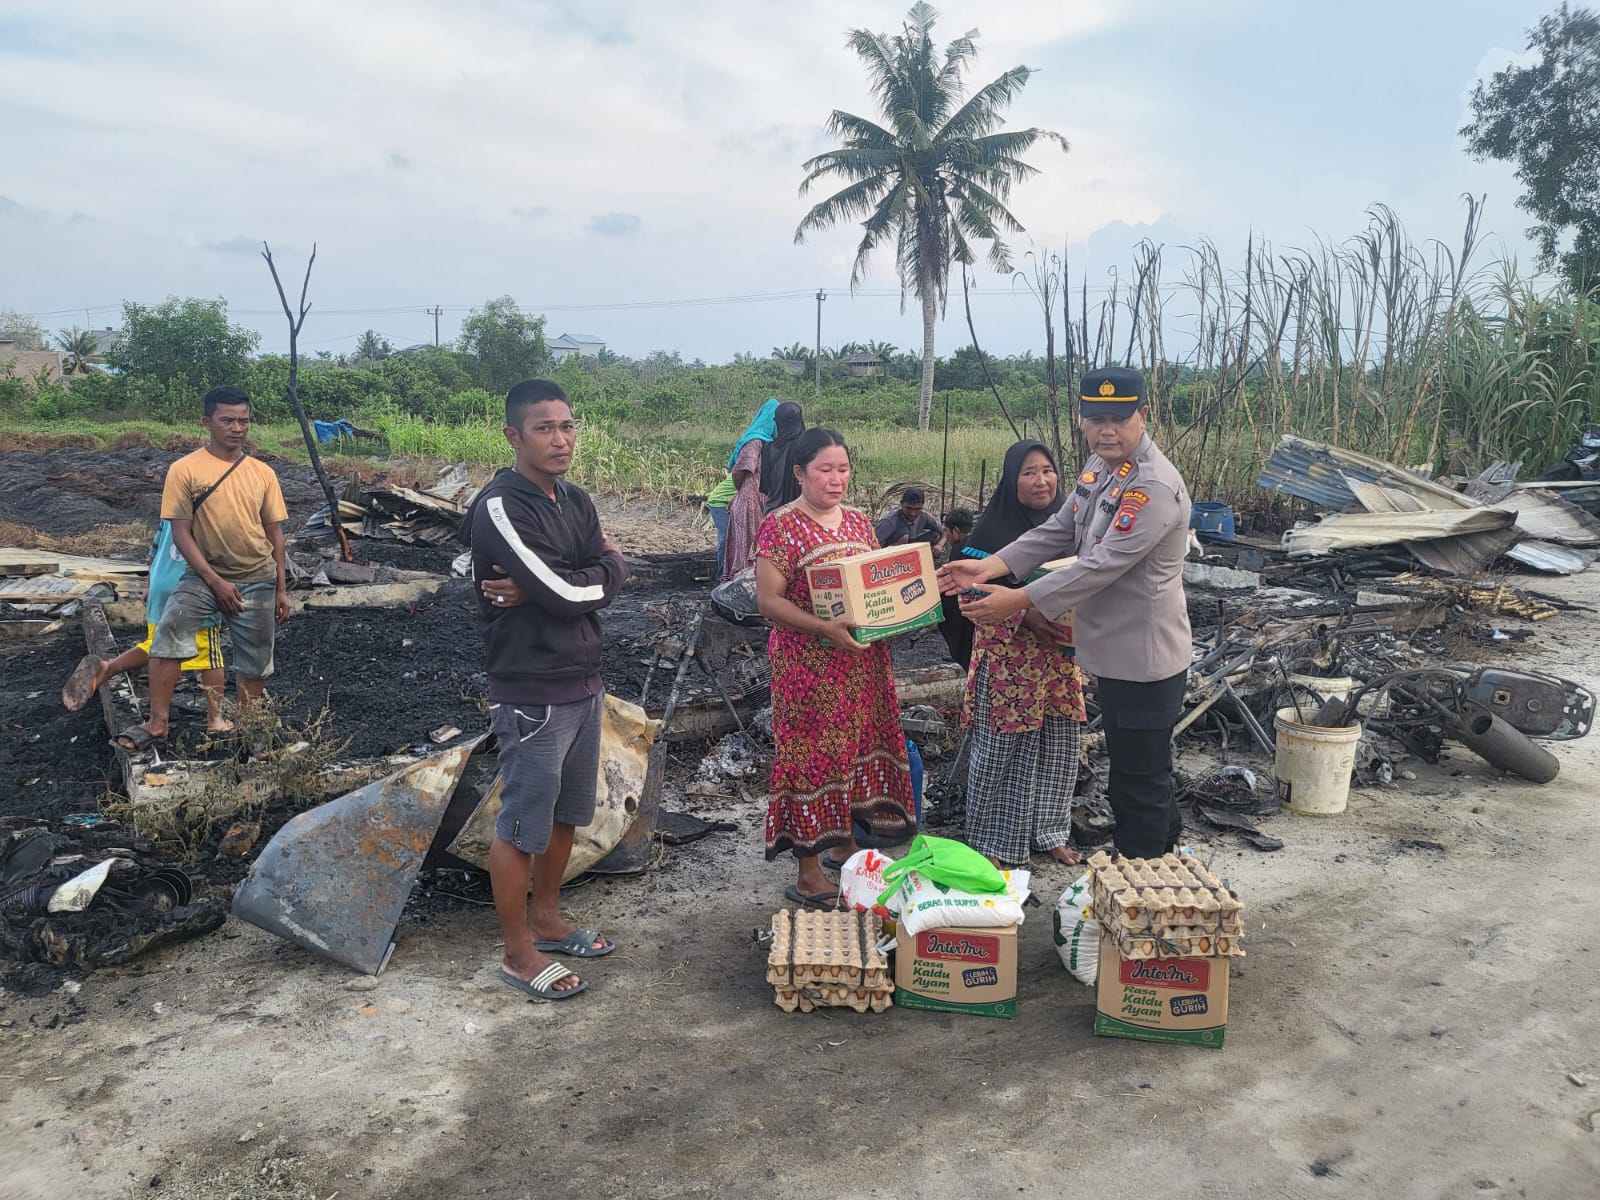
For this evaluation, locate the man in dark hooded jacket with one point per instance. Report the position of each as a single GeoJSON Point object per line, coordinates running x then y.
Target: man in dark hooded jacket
{"type": "Point", "coordinates": [544, 571]}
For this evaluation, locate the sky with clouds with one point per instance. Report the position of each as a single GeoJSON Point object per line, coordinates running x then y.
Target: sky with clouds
{"type": "Point", "coordinates": [585, 157]}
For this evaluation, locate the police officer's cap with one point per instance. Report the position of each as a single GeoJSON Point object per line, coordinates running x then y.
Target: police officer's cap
{"type": "Point", "coordinates": [1111, 392]}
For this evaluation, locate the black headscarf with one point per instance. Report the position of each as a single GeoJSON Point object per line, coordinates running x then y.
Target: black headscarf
{"type": "Point", "coordinates": [778, 483]}
{"type": "Point", "coordinates": [1007, 518]}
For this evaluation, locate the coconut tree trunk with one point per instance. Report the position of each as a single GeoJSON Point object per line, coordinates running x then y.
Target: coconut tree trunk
{"type": "Point", "coordinates": [925, 408]}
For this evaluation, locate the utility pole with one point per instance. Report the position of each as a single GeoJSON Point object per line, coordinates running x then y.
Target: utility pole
{"type": "Point", "coordinates": [435, 312]}
{"type": "Point", "coordinates": [817, 361]}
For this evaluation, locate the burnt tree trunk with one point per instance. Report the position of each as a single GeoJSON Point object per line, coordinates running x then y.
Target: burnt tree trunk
{"type": "Point", "coordinates": [296, 321]}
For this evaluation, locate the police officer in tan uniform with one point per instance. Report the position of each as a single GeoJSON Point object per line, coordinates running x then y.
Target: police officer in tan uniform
{"type": "Point", "coordinates": [1127, 523]}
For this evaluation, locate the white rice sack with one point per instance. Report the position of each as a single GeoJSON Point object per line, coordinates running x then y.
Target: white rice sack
{"type": "Point", "coordinates": [1077, 933]}
{"type": "Point", "coordinates": [928, 905]}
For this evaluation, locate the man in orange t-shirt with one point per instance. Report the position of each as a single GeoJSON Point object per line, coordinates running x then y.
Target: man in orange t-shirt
{"type": "Point", "coordinates": [226, 510]}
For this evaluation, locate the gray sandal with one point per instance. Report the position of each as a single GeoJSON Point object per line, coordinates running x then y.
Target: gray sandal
{"type": "Point", "coordinates": [543, 985]}
{"type": "Point", "coordinates": [578, 944]}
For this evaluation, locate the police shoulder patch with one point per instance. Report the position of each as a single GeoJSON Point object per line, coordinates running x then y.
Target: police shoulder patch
{"type": "Point", "coordinates": [1133, 499]}
{"type": "Point", "coordinates": [1087, 477]}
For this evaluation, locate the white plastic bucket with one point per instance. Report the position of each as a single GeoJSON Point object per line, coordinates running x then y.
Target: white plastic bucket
{"type": "Point", "coordinates": [1314, 764]}
{"type": "Point", "coordinates": [1328, 689]}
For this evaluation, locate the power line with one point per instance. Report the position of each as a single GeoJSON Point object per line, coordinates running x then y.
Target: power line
{"type": "Point", "coordinates": [1122, 288]}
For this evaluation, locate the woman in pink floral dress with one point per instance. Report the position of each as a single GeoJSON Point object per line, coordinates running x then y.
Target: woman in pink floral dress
{"type": "Point", "coordinates": [841, 755]}
{"type": "Point", "coordinates": [1024, 701]}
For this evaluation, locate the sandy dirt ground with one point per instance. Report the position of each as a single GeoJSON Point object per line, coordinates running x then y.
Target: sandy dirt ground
{"type": "Point", "coordinates": [1416, 1018]}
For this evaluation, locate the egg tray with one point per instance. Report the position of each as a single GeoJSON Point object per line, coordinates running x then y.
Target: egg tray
{"type": "Point", "coordinates": [828, 960]}
{"type": "Point", "coordinates": [1175, 943]}
{"type": "Point", "coordinates": [1168, 907]}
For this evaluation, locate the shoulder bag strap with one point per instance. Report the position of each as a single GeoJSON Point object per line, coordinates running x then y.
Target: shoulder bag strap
{"type": "Point", "coordinates": [207, 494]}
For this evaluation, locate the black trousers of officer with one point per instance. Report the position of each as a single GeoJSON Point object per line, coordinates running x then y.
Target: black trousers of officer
{"type": "Point", "coordinates": [1137, 719]}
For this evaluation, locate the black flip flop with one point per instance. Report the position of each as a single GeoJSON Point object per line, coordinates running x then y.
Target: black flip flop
{"type": "Point", "coordinates": [832, 862]}
{"type": "Point", "coordinates": [141, 738]}
{"type": "Point", "coordinates": [824, 901]}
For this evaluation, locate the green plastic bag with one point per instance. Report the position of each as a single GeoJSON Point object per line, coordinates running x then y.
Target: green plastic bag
{"type": "Point", "coordinates": [943, 860]}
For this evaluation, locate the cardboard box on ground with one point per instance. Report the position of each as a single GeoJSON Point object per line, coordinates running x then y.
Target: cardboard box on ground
{"type": "Point", "coordinates": [1169, 929]}
{"type": "Point", "coordinates": [882, 592]}
{"type": "Point", "coordinates": [971, 971]}
{"type": "Point", "coordinates": [1161, 999]}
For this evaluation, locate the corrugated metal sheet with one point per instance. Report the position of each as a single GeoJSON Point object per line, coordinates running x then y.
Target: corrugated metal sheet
{"type": "Point", "coordinates": [1316, 472]}
{"type": "Point", "coordinates": [1463, 555]}
{"type": "Point", "coordinates": [1583, 493]}
{"type": "Point", "coordinates": [1547, 516]}
{"type": "Point", "coordinates": [1336, 478]}
{"type": "Point", "coordinates": [1495, 483]}
{"type": "Point", "coordinates": [1547, 556]}
{"type": "Point", "coordinates": [1349, 531]}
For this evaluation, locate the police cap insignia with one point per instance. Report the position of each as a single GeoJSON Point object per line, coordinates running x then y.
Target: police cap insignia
{"type": "Point", "coordinates": [1111, 392]}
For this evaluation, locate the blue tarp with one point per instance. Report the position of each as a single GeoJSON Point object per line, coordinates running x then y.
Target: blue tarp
{"type": "Point", "coordinates": [327, 431]}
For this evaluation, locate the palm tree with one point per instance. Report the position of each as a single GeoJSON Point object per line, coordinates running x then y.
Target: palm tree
{"type": "Point", "coordinates": [81, 348]}
{"type": "Point", "coordinates": [794, 352]}
{"type": "Point", "coordinates": [372, 347]}
{"type": "Point", "coordinates": [884, 350]}
{"type": "Point", "coordinates": [936, 179]}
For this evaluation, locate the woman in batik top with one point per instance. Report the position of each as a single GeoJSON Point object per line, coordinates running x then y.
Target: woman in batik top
{"type": "Point", "coordinates": [1024, 701]}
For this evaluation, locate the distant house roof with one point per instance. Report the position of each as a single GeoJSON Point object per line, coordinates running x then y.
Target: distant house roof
{"type": "Point", "coordinates": [864, 360]}
{"type": "Point", "coordinates": [576, 341]}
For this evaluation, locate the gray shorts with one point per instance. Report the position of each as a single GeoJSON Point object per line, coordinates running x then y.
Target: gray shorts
{"type": "Point", "coordinates": [192, 607]}
{"type": "Point", "coordinates": [549, 758]}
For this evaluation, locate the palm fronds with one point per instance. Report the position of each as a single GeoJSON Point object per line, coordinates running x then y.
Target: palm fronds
{"type": "Point", "coordinates": [935, 176]}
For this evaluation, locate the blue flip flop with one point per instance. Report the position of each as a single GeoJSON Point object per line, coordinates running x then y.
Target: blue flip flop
{"type": "Point", "coordinates": [543, 985]}
{"type": "Point", "coordinates": [577, 944]}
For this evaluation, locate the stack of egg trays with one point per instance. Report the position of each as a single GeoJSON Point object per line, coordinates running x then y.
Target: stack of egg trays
{"type": "Point", "coordinates": [828, 960]}
{"type": "Point", "coordinates": [1167, 907]}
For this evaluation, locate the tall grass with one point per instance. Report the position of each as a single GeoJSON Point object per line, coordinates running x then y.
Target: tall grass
{"type": "Point", "coordinates": [684, 461]}
{"type": "Point", "coordinates": [1397, 349]}
{"type": "Point", "coordinates": [1408, 351]}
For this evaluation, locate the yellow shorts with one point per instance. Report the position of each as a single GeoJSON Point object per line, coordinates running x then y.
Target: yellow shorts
{"type": "Point", "coordinates": [208, 649]}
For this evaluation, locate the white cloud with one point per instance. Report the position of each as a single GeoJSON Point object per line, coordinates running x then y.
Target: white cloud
{"type": "Point", "coordinates": [451, 151]}
{"type": "Point", "coordinates": [614, 224]}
